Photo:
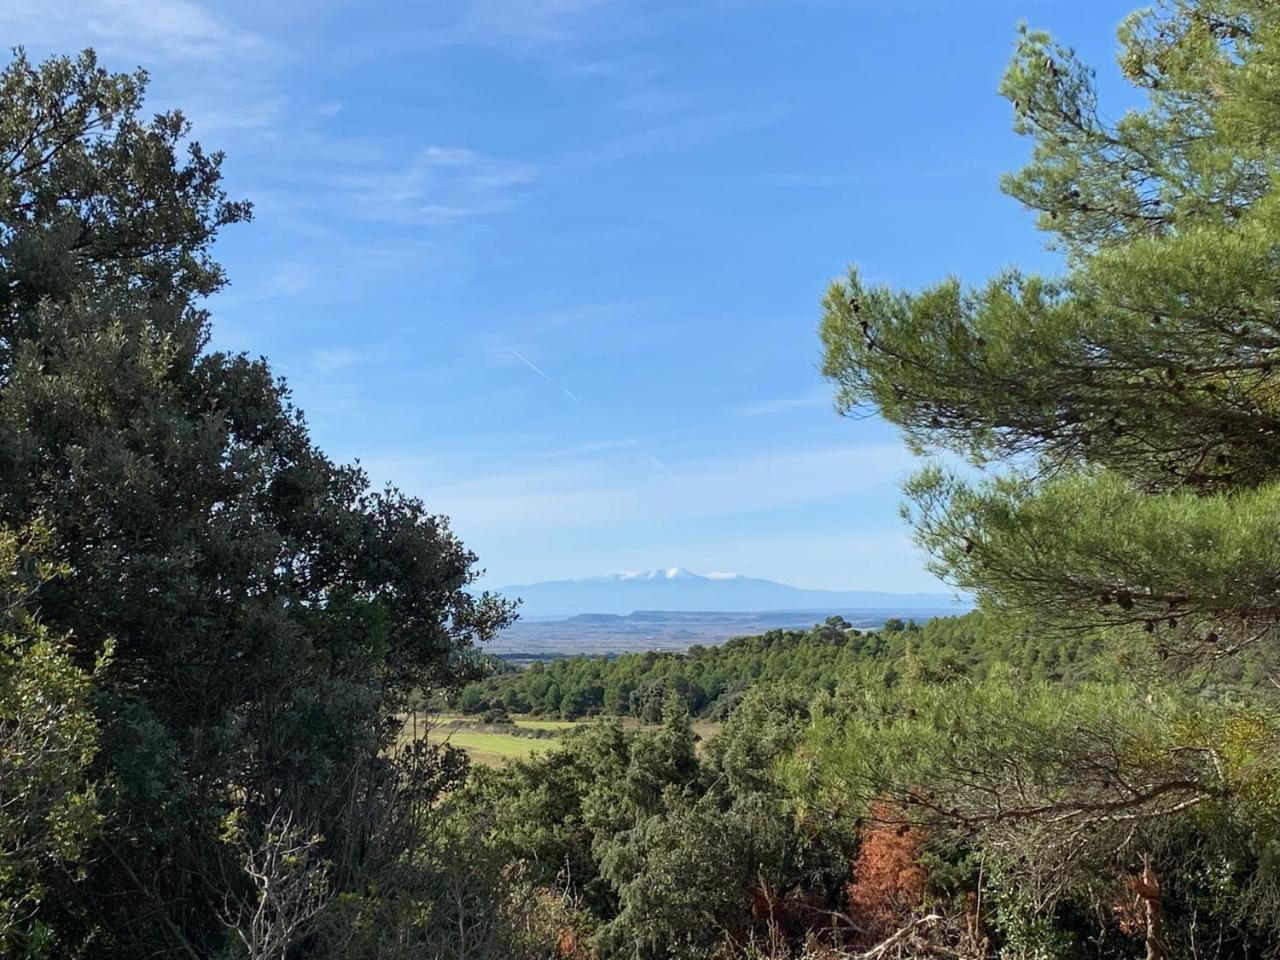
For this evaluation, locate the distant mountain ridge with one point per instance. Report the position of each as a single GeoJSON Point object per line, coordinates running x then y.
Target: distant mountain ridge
{"type": "Point", "coordinates": [677, 589]}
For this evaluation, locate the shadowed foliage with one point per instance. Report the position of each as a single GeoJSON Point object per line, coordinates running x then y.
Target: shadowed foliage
{"type": "Point", "coordinates": [269, 610]}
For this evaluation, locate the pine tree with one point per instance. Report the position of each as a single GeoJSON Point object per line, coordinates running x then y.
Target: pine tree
{"type": "Point", "coordinates": [1122, 420]}
{"type": "Point", "coordinates": [1133, 401]}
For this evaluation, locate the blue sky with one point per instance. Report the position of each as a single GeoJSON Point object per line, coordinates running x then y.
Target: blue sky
{"type": "Point", "coordinates": [555, 265]}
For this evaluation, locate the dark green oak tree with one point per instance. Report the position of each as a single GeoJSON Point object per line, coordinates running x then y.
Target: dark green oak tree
{"type": "Point", "coordinates": [48, 740]}
{"type": "Point", "coordinates": [270, 611]}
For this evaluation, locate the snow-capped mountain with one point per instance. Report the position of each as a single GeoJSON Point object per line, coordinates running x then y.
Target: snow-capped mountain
{"type": "Point", "coordinates": [671, 573]}
{"type": "Point", "coordinates": [677, 589]}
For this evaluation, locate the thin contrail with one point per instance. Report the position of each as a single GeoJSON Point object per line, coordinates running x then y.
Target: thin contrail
{"type": "Point", "coordinates": [651, 458]}
{"type": "Point", "coordinates": [658, 464]}
{"type": "Point", "coordinates": [538, 370]}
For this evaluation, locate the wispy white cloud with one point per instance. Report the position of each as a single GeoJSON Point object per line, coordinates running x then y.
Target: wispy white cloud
{"type": "Point", "coordinates": [157, 31]}
{"type": "Point", "coordinates": [519, 26]}
{"type": "Point", "coordinates": [218, 71]}
{"type": "Point", "coordinates": [439, 185]}
{"type": "Point", "coordinates": [651, 100]}
{"type": "Point", "coordinates": [332, 359]}
{"type": "Point", "coordinates": [598, 508]}
{"type": "Point", "coordinates": [287, 280]}
{"type": "Point", "coordinates": [575, 330]}
{"type": "Point", "coordinates": [819, 397]}
{"type": "Point", "coordinates": [686, 131]}
{"type": "Point", "coordinates": [224, 112]}
{"type": "Point", "coordinates": [578, 450]}
{"type": "Point", "coordinates": [537, 22]}
{"type": "Point", "coordinates": [607, 491]}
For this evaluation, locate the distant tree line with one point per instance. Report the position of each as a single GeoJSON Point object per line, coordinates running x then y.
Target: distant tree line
{"type": "Point", "coordinates": [709, 681]}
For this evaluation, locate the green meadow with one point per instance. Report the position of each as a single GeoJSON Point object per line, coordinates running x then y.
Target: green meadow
{"type": "Point", "coordinates": [492, 746]}
{"type": "Point", "coordinates": [488, 747]}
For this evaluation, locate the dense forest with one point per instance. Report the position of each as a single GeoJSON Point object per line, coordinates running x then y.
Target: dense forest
{"type": "Point", "coordinates": [711, 681]}
{"type": "Point", "coordinates": [211, 633]}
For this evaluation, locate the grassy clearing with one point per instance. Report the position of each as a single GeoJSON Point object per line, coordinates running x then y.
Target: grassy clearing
{"type": "Point", "coordinates": [484, 745]}
{"type": "Point", "coordinates": [489, 748]}
{"type": "Point", "coordinates": [492, 747]}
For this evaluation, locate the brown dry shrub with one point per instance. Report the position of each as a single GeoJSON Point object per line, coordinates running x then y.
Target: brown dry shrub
{"type": "Point", "coordinates": [889, 884]}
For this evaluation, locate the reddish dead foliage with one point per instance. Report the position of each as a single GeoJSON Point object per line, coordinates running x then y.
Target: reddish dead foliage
{"type": "Point", "coordinates": [567, 945]}
{"type": "Point", "coordinates": [889, 883]}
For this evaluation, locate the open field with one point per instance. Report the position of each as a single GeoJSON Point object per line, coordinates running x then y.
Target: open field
{"type": "Point", "coordinates": [489, 748]}
{"type": "Point", "coordinates": [492, 747]}
{"type": "Point", "coordinates": [484, 744]}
